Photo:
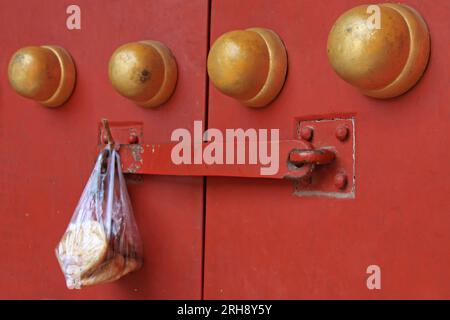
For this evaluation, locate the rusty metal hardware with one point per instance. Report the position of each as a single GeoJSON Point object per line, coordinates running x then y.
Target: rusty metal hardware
{"type": "Point", "coordinates": [248, 65]}
{"type": "Point", "coordinates": [384, 60]}
{"type": "Point", "coordinates": [107, 130]}
{"type": "Point", "coordinates": [144, 72]}
{"type": "Point", "coordinates": [45, 74]}
{"type": "Point", "coordinates": [155, 159]}
{"type": "Point", "coordinates": [297, 158]}
{"type": "Point", "coordinates": [315, 157]}
{"type": "Point", "coordinates": [337, 177]}
{"type": "Point", "coordinates": [324, 166]}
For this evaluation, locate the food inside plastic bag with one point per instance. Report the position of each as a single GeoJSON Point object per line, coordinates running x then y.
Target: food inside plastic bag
{"type": "Point", "coordinates": [102, 242]}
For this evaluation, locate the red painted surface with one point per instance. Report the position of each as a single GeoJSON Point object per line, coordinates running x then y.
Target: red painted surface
{"type": "Point", "coordinates": [262, 241]}
{"type": "Point", "coordinates": [48, 154]}
{"type": "Point", "coordinates": [156, 159]}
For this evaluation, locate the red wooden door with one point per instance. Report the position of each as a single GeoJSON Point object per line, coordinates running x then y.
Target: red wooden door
{"type": "Point", "coordinates": [264, 241]}
{"type": "Point", "coordinates": [47, 154]}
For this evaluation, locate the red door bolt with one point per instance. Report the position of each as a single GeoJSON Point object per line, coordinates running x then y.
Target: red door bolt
{"type": "Point", "coordinates": [306, 133]}
{"type": "Point", "coordinates": [342, 133]}
{"type": "Point", "coordinates": [340, 181]}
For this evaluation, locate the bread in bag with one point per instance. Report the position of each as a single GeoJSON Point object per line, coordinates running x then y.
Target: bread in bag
{"type": "Point", "coordinates": [82, 249]}
{"type": "Point", "coordinates": [110, 271]}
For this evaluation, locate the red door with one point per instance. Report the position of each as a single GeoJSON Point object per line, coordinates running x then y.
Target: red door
{"type": "Point", "coordinates": [260, 238]}
{"type": "Point", "coordinates": [47, 154]}
{"type": "Point", "coordinates": [265, 240]}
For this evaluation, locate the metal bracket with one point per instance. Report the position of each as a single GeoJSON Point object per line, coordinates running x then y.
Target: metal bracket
{"type": "Point", "coordinates": [321, 162]}
{"type": "Point", "coordinates": [124, 133]}
{"type": "Point", "coordinates": [156, 159]}
{"type": "Point", "coordinates": [336, 180]}
{"type": "Point", "coordinates": [297, 158]}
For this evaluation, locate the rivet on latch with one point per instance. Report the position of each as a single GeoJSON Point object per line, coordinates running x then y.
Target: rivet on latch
{"type": "Point", "coordinates": [133, 138]}
{"type": "Point", "coordinates": [316, 157]}
{"type": "Point", "coordinates": [340, 181]}
{"type": "Point", "coordinates": [342, 133]}
{"type": "Point", "coordinates": [306, 133]}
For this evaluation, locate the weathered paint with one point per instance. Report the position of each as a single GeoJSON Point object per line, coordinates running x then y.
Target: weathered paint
{"type": "Point", "coordinates": [264, 242]}
{"type": "Point", "coordinates": [51, 152]}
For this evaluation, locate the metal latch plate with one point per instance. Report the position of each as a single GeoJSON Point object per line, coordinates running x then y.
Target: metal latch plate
{"type": "Point", "coordinates": [327, 180]}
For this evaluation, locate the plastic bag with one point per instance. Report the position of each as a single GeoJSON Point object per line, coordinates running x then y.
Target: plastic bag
{"type": "Point", "coordinates": [102, 242]}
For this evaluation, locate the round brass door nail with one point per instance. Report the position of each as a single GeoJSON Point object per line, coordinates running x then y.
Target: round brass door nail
{"type": "Point", "coordinates": [384, 60]}
{"type": "Point", "coordinates": [248, 65]}
{"type": "Point", "coordinates": [144, 72]}
{"type": "Point", "coordinates": [45, 74]}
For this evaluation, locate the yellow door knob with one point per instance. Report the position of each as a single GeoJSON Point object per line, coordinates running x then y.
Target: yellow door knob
{"type": "Point", "coordinates": [45, 74]}
{"type": "Point", "coordinates": [248, 65]}
{"type": "Point", "coordinates": [145, 72]}
{"type": "Point", "coordinates": [383, 58]}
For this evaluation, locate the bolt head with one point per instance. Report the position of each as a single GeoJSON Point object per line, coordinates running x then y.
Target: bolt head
{"type": "Point", "coordinates": [341, 181]}
{"type": "Point", "coordinates": [342, 133]}
{"type": "Point", "coordinates": [306, 133]}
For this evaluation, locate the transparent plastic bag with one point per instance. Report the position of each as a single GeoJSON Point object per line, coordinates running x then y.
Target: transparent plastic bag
{"type": "Point", "coordinates": [102, 242]}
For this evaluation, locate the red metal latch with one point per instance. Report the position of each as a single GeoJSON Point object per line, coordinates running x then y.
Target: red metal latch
{"type": "Point", "coordinates": [297, 159]}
